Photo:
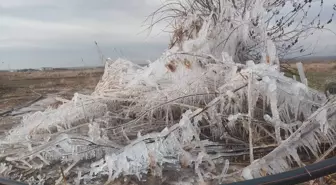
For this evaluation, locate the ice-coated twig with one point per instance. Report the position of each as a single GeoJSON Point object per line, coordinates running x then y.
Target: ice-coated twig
{"type": "Point", "coordinates": [290, 145]}
{"type": "Point", "coordinates": [301, 73]}
{"type": "Point", "coordinates": [250, 115]}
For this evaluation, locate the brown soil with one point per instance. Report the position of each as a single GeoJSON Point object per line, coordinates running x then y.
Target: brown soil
{"type": "Point", "coordinates": [19, 87]}
{"type": "Point", "coordinates": [316, 66]}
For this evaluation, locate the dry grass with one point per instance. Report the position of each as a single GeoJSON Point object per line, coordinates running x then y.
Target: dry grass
{"type": "Point", "coordinates": [318, 73]}
{"type": "Point", "coordinates": [51, 74]}
{"type": "Point", "coordinates": [20, 87]}
{"type": "Point", "coordinates": [317, 66]}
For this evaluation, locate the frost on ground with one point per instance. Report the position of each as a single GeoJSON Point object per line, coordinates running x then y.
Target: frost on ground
{"type": "Point", "coordinates": [194, 110]}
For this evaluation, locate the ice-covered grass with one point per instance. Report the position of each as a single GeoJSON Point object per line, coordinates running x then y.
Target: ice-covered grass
{"type": "Point", "coordinates": [197, 107]}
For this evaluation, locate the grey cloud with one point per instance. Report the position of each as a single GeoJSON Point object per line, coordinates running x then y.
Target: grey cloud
{"type": "Point", "coordinates": [56, 32]}
{"type": "Point", "coordinates": [80, 9]}
{"type": "Point", "coordinates": [73, 54]}
{"type": "Point", "coordinates": [39, 33]}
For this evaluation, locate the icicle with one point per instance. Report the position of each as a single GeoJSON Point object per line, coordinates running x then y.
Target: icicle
{"type": "Point", "coordinates": [272, 94]}
{"type": "Point", "coordinates": [322, 119]}
{"type": "Point", "coordinates": [247, 173]}
{"type": "Point", "coordinates": [225, 168]}
{"type": "Point", "coordinates": [3, 168]}
{"type": "Point", "coordinates": [301, 73]}
{"type": "Point", "coordinates": [198, 162]}
{"type": "Point", "coordinates": [94, 131]}
{"type": "Point", "coordinates": [272, 54]}
{"type": "Point", "coordinates": [250, 114]}
{"type": "Point", "coordinates": [79, 176]}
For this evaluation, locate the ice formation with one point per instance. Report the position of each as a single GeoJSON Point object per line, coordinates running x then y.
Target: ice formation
{"type": "Point", "coordinates": [192, 108]}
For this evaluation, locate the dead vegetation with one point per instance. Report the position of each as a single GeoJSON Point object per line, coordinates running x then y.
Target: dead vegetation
{"type": "Point", "coordinates": [193, 121]}
{"type": "Point", "coordinates": [315, 67]}
{"type": "Point", "coordinates": [319, 74]}
{"type": "Point", "coordinates": [16, 87]}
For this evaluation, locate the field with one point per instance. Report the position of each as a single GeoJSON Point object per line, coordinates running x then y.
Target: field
{"type": "Point", "coordinates": [19, 87]}
{"type": "Point", "coordinates": [318, 73]}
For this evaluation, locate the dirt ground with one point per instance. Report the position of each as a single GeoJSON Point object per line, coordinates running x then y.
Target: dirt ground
{"type": "Point", "coordinates": [19, 87]}
{"type": "Point", "coordinates": [318, 73]}
{"type": "Point", "coordinates": [317, 66]}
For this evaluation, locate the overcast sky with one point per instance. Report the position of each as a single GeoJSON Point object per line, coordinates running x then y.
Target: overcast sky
{"type": "Point", "coordinates": [61, 33]}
